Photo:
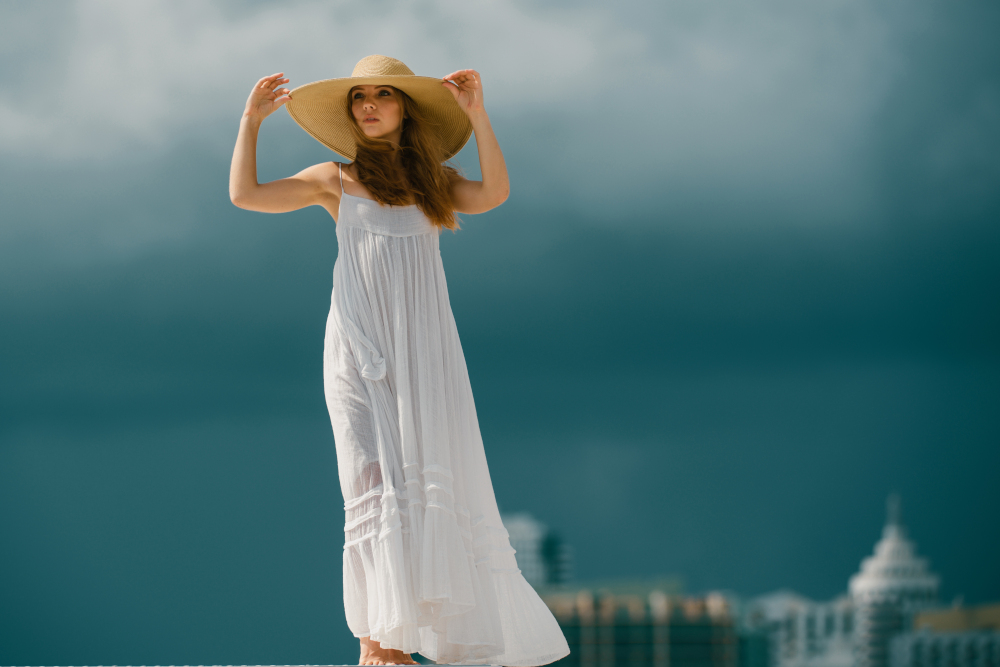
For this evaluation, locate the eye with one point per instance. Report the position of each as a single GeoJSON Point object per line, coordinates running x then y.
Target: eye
{"type": "Point", "coordinates": [385, 92]}
{"type": "Point", "coordinates": [358, 95]}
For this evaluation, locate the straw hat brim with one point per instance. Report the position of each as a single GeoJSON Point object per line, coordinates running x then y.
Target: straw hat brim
{"type": "Point", "coordinates": [320, 109]}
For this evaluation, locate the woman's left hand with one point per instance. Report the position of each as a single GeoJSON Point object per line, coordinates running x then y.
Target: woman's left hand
{"type": "Point", "coordinates": [467, 87]}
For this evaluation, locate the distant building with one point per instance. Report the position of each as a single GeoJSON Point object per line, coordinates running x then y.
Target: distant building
{"type": "Point", "coordinates": [945, 649]}
{"type": "Point", "coordinates": [892, 587]}
{"type": "Point", "coordinates": [632, 625]}
{"type": "Point", "coordinates": [801, 632]}
{"type": "Point", "coordinates": [542, 556]}
{"type": "Point", "coordinates": [627, 624]}
{"type": "Point", "coordinates": [955, 637]}
{"type": "Point", "coordinates": [959, 619]}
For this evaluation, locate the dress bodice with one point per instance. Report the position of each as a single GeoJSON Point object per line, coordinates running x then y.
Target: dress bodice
{"type": "Point", "coordinates": [386, 220]}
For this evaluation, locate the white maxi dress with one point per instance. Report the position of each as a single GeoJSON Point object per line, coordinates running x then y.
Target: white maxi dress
{"type": "Point", "coordinates": [428, 566]}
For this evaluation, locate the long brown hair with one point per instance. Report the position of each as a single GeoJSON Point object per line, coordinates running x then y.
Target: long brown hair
{"type": "Point", "coordinates": [424, 178]}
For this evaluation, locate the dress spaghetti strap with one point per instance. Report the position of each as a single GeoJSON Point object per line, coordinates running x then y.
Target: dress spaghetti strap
{"type": "Point", "coordinates": [340, 166]}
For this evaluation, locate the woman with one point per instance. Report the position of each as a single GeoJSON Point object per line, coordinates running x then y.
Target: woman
{"type": "Point", "coordinates": [428, 566]}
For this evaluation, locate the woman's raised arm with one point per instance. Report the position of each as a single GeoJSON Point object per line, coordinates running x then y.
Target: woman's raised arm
{"type": "Point", "coordinates": [478, 196]}
{"type": "Point", "coordinates": [287, 194]}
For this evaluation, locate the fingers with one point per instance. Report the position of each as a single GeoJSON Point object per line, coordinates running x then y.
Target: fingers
{"type": "Point", "coordinates": [462, 79]}
{"type": "Point", "coordinates": [466, 87]}
{"type": "Point", "coordinates": [264, 79]}
{"type": "Point", "coordinates": [463, 76]}
{"type": "Point", "coordinates": [268, 80]}
{"type": "Point", "coordinates": [267, 89]}
{"type": "Point", "coordinates": [274, 82]}
{"type": "Point", "coordinates": [463, 84]}
{"type": "Point", "coordinates": [462, 72]}
{"type": "Point", "coordinates": [280, 91]}
{"type": "Point", "coordinates": [452, 88]}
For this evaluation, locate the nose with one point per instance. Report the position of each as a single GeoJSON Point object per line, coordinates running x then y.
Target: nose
{"type": "Point", "coordinates": [369, 105]}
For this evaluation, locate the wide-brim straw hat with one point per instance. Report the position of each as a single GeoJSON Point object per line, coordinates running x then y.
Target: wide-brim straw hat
{"type": "Point", "coordinates": [320, 107]}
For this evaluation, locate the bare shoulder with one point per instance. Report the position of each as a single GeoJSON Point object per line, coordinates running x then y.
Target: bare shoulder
{"type": "Point", "coordinates": [352, 185]}
{"type": "Point", "coordinates": [324, 174]}
{"type": "Point", "coordinates": [457, 182]}
{"type": "Point", "coordinates": [456, 177]}
{"type": "Point", "coordinates": [350, 173]}
{"type": "Point", "coordinates": [325, 177]}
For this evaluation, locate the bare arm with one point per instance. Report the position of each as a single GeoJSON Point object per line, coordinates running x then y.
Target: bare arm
{"type": "Point", "coordinates": [478, 196]}
{"type": "Point", "coordinates": [306, 188]}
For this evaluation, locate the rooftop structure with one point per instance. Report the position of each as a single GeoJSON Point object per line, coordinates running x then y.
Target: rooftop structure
{"type": "Point", "coordinates": [893, 585]}
{"type": "Point", "coordinates": [630, 625]}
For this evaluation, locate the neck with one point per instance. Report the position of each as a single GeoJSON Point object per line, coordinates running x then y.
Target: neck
{"type": "Point", "coordinates": [396, 136]}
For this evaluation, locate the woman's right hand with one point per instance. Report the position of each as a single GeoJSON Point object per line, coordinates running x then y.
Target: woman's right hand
{"type": "Point", "coordinates": [312, 186]}
{"type": "Point", "coordinates": [265, 97]}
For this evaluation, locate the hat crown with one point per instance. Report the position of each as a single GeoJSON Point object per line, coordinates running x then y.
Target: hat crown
{"type": "Point", "coordinates": [380, 66]}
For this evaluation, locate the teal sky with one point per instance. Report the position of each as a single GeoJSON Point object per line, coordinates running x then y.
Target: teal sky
{"type": "Point", "coordinates": [745, 286]}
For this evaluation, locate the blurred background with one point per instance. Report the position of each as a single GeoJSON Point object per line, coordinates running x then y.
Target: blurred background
{"type": "Point", "coordinates": [745, 289]}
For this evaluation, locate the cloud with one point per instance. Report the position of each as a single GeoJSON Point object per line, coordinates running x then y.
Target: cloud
{"type": "Point", "coordinates": [121, 76]}
{"type": "Point", "coordinates": [687, 87]}
{"type": "Point", "coordinates": [650, 114]}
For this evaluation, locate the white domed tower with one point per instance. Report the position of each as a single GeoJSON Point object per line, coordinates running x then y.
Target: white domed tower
{"type": "Point", "coordinates": [891, 587]}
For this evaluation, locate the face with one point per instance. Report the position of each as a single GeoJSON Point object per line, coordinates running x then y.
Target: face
{"type": "Point", "coordinates": [377, 111]}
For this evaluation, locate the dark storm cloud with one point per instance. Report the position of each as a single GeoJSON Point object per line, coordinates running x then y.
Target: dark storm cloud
{"type": "Point", "coordinates": [711, 356]}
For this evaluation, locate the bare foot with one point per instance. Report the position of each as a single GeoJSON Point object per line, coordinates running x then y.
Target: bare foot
{"type": "Point", "coordinates": [401, 658]}
{"type": "Point", "coordinates": [373, 654]}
